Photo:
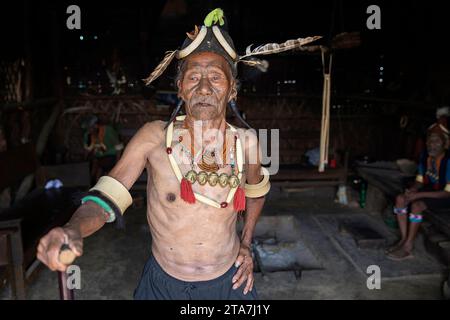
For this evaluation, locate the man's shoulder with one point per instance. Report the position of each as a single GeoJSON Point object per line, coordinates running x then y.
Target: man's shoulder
{"type": "Point", "coordinates": [248, 137]}
{"type": "Point", "coordinates": [151, 132]}
{"type": "Point", "coordinates": [156, 126]}
{"type": "Point", "coordinates": [447, 163]}
{"type": "Point", "coordinates": [250, 143]}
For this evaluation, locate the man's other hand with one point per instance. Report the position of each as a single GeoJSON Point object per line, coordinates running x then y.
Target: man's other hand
{"type": "Point", "coordinates": [244, 262]}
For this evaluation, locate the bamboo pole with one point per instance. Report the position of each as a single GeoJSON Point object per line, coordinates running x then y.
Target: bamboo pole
{"type": "Point", "coordinates": [322, 128]}
{"type": "Point", "coordinates": [325, 125]}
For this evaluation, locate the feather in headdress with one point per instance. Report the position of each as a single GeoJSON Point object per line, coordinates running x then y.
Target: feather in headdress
{"type": "Point", "coordinates": [262, 65]}
{"type": "Point", "coordinates": [161, 67]}
{"type": "Point", "coordinates": [271, 48]}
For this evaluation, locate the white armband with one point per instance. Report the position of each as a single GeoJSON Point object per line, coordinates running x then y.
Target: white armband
{"type": "Point", "coordinates": [115, 191]}
{"type": "Point", "coordinates": [260, 189]}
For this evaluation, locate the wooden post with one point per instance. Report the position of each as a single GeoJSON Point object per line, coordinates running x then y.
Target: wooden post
{"type": "Point", "coordinates": [325, 127]}
{"type": "Point", "coordinates": [18, 284]}
{"type": "Point", "coordinates": [28, 94]}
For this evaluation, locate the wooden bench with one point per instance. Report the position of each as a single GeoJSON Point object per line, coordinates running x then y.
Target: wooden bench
{"type": "Point", "coordinates": [392, 183]}
{"type": "Point", "coordinates": [294, 178]}
{"type": "Point", "coordinates": [28, 219]}
{"type": "Point", "coordinates": [441, 221]}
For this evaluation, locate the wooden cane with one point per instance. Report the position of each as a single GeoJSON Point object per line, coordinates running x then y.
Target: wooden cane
{"type": "Point", "coordinates": [66, 256]}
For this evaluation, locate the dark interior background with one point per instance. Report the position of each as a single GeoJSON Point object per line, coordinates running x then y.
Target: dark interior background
{"type": "Point", "coordinates": [407, 54]}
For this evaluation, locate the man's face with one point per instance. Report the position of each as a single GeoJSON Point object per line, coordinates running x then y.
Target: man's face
{"type": "Point", "coordinates": [435, 145]}
{"type": "Point", "coordinates": [206, 86]}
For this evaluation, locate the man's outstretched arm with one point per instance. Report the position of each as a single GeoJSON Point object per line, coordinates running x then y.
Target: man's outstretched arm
{"type": "Point", "coordinates": [90, 216]}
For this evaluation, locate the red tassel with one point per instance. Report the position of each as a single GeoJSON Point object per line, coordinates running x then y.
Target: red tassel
{"type": "Point", "coordinates": [186, 191]}
{"type": "Point", "coordinates": [239, 200]}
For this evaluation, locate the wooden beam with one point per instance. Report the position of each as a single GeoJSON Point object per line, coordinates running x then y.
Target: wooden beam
{"type": "Point", "coordinates": [28, 104]}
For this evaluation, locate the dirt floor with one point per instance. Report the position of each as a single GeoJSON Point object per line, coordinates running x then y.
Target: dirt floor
{"type": "Point", "coordinates": [113, 259]}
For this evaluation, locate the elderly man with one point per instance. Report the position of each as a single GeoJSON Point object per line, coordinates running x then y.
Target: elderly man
{"type": "Point", "coordinates": [431, 190]}
{"type": "Point", "coordinates": [201, 170]}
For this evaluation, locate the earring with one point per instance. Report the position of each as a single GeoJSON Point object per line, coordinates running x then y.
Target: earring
{"type": "Point", "coordinates": [235, 109]}
{"type": "Point", "coordinates": [174, 113]}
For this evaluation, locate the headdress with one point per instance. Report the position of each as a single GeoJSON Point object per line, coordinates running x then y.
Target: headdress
{"type": "Point", "coordinates": [212, 36]}
{"type": "Point", "coordinates": [440, 129]}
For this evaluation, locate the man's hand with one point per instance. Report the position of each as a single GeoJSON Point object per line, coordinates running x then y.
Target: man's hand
{"type": "Point", "coordinates": [245, 272]}
{"type": "Point", "coordinates": [412, 196]}
{"type": "Point", "coordinates": [411, 190]}
{"type": "Point", "coordinates": [50, 246]}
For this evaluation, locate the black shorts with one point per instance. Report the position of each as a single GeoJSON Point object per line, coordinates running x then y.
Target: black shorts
{"type": "Point", "coordinates": [156, 284]}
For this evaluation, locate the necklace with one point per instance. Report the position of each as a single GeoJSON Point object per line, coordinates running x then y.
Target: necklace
{"type": "Point", "coordinates": [213, 178]}
{"type": "Point", "coordinates": [208, 161]}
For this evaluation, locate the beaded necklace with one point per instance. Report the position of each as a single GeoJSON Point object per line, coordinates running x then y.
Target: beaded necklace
{"type": "Point", "coordinates": [208, 161]}
{"type": "Point", "coordinates": [191, 177]}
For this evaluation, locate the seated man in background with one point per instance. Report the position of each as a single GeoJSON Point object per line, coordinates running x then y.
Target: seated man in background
{"type": "Point", "coordinates": [431, 190]}
{"type": "Point", "coordinates": [102, 145]}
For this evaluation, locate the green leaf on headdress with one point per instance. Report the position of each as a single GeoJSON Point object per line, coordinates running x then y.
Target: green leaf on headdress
{"type": "Point", "coordinates": [213, 17]}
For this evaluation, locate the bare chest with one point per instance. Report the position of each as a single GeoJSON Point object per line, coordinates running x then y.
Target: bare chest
{"type": "Point", "coordinates": [166, 185]}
